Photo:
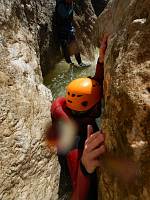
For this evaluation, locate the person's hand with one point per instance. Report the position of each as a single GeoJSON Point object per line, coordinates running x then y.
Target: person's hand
{"type": "Point", "coordinates": [102, 49]}
{"type": "Point", "coordinates": [93, 149]}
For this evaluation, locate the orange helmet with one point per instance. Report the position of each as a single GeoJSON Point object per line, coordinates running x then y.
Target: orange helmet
{"type": "Point", "coordinates": [82, 94]}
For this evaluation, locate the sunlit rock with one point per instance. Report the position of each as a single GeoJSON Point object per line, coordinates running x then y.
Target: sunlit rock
{"type": "Point", "coordinates": [28, 168]}
{"type": "Point", "coordinates": [126, 117]}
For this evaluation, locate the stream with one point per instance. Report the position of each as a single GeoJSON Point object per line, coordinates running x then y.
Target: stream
{"type": "Point", "coordinates": [62, 73]}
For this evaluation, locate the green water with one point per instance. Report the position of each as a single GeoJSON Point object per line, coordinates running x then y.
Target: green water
{"type": "Point", "coordinates": [62, 73]}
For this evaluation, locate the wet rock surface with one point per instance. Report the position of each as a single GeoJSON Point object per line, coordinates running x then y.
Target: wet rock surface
{"type": "Point", "coordinates": [28, 169]}
{"type": "Point", "coordinates": [126, 118]}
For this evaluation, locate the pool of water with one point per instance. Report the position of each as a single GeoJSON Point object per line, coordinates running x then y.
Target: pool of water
{"type": "Point", "coordinates": [62, 73]}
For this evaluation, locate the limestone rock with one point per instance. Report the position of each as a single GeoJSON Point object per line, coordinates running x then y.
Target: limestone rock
{"type": "Point", "coordinates": [28, 168]}
{"type": "Point", "coordinates": [85, 22]}
{"type": "Point", "coordinates": [126, 117]}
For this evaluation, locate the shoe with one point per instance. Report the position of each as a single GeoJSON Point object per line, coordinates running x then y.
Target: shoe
{"type": "Point", "coordinates": [71, 64]}
{"type": "Point", "coordinates": [84, 65]}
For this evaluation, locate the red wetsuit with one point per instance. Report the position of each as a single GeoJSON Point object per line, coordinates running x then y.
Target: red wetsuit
{"type": "Point", "coordinates": [84, 185]}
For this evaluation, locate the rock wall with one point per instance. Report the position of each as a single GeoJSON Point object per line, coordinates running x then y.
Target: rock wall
{"type": "Point", "coordinates": [28, 169]}
{"type": "Point", "coordinates": [126, 117]}
{"type": "Point", "coordinates": [28, 48]}
{"type": "Point", "coordinates": [86, 13]}
{"type": "Point", "coordinates": [84, 21]}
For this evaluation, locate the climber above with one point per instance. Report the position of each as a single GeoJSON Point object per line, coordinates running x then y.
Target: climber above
{"type": "Point", "coordinates": [81, 106]}
{"type": "Point", "coordinates": [66, 31]}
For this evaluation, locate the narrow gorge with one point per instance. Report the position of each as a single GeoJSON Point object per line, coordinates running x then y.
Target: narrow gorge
{"type": "Point", "coordinates": [29, 170]}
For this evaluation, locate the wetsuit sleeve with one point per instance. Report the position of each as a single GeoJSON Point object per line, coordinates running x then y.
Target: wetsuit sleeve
{"type": "Point", "coordinates": [58, 109]}
{"type": "Point", "coordinates": [99, 74]}
{"type": "Point", "coordinates": [57, 114]}
{"type": "Point", "coordinates": [80, 181]}
{"type": "Point", "coordinates": [83, 169]}
{"type": "Point", "coordinates": [63, 9]}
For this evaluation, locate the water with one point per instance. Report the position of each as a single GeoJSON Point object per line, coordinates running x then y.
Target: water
{"type": "Point", "coordinates": [62, 73]}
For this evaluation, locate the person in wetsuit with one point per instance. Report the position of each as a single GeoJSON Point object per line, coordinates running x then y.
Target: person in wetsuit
{"type": "Point", "coordinates": [82, 105]}
{"type": "Point", "coordinates": [66, 31]}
